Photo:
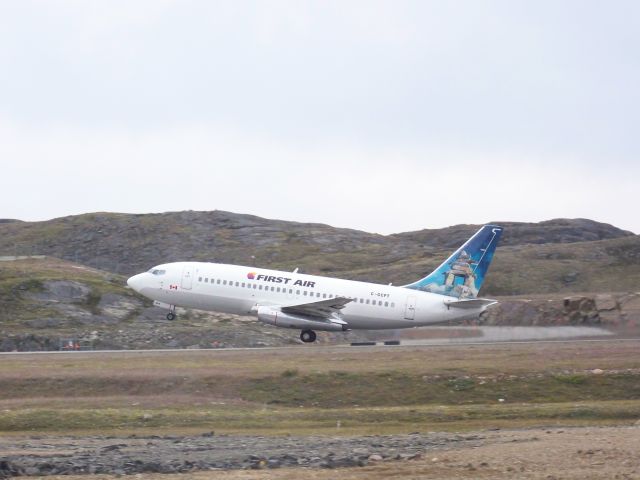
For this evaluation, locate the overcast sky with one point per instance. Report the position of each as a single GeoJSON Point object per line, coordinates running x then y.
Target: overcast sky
{"type": "Point", "coordinates": [381, 116]}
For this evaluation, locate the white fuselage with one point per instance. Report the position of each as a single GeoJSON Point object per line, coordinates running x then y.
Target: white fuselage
{"type": "Point", "coordinates": [231, 289]}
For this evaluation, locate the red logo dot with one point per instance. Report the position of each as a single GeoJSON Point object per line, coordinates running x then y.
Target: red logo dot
{"type": "Point", "coordinates": [251, 275]}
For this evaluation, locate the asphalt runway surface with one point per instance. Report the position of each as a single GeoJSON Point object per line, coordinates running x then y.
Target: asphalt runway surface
{"type": "Point", "coordinates": [328, 348]}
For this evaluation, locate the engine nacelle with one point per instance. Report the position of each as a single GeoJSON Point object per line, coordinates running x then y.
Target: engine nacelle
{"type": "Point", "coordinates": [274, 316]}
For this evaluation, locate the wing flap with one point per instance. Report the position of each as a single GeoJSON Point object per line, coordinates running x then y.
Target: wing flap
{"type": "Point", "coordinates": [328, 308]}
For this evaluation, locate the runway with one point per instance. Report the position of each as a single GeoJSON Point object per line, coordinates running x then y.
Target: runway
{"type": "Point", "coordinates": [410, 344]}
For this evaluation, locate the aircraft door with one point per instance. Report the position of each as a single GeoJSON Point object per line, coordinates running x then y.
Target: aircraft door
{"type": "Point", "coordinates": [187, 277]}
{"type": "Point", "coordinates": [410, 308]}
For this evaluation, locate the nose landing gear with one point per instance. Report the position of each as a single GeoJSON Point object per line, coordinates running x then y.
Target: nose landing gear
{"type": "Point", "coordinates": [308, 336]}
{"type": "Point", "coordinates": [172, 313]}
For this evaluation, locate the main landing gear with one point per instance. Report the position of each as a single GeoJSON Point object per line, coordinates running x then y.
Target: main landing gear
{"type": "Point", "coordinates": [308, 336]}
{"type": "Point", "coordinates": [172, 313]}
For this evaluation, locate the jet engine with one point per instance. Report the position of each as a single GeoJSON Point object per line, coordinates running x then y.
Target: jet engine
{"type": "Point", "coordinates": [274, 316]}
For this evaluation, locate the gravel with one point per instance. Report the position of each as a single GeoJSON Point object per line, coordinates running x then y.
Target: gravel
{"type": "Point", "coordinates": [40, 456]}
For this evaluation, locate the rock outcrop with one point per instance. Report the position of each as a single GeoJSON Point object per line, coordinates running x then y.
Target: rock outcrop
{"type": "Point", "coordinates": [619, 311]}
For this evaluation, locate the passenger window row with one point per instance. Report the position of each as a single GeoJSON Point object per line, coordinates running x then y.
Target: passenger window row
{"type": "Point", "coordinates": [305, 293]}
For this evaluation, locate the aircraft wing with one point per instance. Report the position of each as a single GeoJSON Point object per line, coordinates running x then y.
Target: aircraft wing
{"type": "Point", "coordinates": [327, 308]}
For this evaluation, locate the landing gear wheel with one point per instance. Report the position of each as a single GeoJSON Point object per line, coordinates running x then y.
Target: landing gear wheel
{"type": "Point", "coordinates": [171, 316]}
{"type": "Point", "coordinates": [308, 336]}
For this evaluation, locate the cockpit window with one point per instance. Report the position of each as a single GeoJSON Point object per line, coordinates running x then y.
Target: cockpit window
{"type": "Point", "coordinates": [156, 271]}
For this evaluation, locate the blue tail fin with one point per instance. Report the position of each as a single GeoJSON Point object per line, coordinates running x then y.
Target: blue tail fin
{"type": "Point", "coordinates": [462, 274]}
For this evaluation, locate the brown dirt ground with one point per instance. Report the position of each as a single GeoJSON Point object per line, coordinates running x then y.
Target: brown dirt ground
{"type": "Point", "coordinates": [587, 453]}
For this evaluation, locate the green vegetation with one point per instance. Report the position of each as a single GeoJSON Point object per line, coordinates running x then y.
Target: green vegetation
{"type": "Point", "coordinates": [397, 388]}
{"type": "Point", "coordinates": [30, 285]}
{"type": "Point", "coordinates": [300, 390]}
{"type": "Point", "coordinates": [343, 421]}
{"type": "Point", "coordinates": [290, 372]}
{"type": "Point", "coordinates": [338, 389]}
{"type": "Point", "coordinates": [572, 379]}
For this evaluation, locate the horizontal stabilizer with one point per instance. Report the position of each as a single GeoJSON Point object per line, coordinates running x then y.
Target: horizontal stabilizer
{"type": "Point", "coordinates": [471, 303]}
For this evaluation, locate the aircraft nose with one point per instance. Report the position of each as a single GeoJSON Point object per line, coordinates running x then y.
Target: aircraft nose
{"type": "Point", "coordinates": [136, 282]}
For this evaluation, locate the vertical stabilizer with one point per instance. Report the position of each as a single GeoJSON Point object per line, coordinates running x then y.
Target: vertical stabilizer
{"type": "Point", "coordinates": [462, 274]}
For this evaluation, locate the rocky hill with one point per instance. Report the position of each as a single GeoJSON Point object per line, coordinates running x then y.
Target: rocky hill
{"type": "Point", "coordinates": [560, 230]}
{"type": "Point", "coordinates": [127, 244]}
{"type": "Point", "coordinates": [82, 295]}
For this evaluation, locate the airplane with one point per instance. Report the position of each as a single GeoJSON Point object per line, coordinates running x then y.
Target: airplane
{"type": "Point", "coordinates": [313, 303]}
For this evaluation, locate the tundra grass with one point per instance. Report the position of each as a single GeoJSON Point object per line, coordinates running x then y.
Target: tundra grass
{"type": "Point", "coordinates": [337, 389]}
{"type": "Point", "coordinates": [296, 421]}
{"type": "Point", "coordinates": [322, 390]}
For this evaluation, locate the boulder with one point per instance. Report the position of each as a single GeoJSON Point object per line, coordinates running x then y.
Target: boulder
{"type": "Point", "coordinates": [605, 302]}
